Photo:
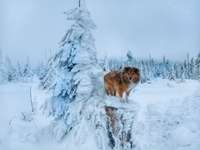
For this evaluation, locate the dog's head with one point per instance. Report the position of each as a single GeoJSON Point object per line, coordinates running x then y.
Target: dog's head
{"type": "Point", "coordinates": [131, 74]}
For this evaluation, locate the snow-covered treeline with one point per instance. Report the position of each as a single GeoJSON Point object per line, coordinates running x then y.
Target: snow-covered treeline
{"type": "Point", "coordinates": [19, 71]}
{"type": "Point", "coordinates": [152, 68]}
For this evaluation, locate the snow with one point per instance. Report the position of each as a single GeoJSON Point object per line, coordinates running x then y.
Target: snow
{"type": "Point", "coordinates": [14, 99]}
{"type": "Point", "coordinates": [167, 118]}
{"type": "Point", "coordinates": [168, 115]}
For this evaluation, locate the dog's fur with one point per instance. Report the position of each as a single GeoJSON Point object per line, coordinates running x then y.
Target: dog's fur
{"type": "Point", "coordinates": [120, 83]}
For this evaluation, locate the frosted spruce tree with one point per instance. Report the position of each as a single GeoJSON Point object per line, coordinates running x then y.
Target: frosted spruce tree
{"type": "Point", "coordinates": [197, 67]}
{"type": "Point", "coordinates": [9, 70]}
{"type": "Point", "coordinates": [24, 72]}
{"type": "Point", "coordinates": [71, 73]}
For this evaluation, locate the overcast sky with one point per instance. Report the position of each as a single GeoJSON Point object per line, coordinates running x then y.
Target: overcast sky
{"type": "Point", "coordinates": [147, 27]}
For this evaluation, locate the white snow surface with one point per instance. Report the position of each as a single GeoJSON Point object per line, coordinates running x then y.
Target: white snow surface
{"type": "Point", "coordinates": [167, 118]}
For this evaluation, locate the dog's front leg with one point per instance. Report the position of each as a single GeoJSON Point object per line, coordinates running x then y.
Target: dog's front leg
{"type": "Point", "coordinates": [125, 97]}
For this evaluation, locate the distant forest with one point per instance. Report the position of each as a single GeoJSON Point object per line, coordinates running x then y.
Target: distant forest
{"type": "Point", "coordinates": [150, 68]}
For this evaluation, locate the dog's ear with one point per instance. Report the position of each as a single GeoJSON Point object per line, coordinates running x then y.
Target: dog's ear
{"type": "Point", "coordinates": [136, 70]}
{"type": "Point", "coordinates": [126, 69]}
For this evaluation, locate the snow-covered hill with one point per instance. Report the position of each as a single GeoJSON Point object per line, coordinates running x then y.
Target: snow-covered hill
{"type": "Point", "coordinates": [167, 118]}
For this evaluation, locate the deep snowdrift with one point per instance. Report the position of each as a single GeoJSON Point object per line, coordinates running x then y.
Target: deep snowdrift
{"type": "Point", "coordinates": [167, 118]}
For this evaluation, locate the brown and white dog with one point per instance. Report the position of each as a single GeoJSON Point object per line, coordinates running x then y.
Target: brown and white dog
{"type": "Point", "coordinates": [120, 83]}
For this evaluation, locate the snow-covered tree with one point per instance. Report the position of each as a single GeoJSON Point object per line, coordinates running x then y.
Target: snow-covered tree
{"type": "Point", "coordinates": [27, 72]}
{"type": "Point", "coordinates": [19, 69]}
{"type": "Point", "coordinates": [197, 67]}
{"type": "Point", "coordinates": [41, 70]}
{"type": "Point", "coordinates": [70, 71]}
{"type": "Point", "coordinates": [130, 57]}
{"type": "Point", "coordinates": [9, 70]}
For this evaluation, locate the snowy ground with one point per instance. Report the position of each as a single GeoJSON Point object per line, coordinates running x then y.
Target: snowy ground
{"type": "Point", "coordinates": [167, 118]}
